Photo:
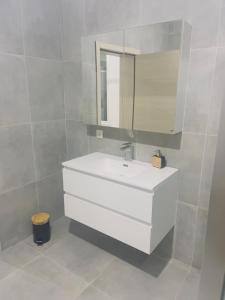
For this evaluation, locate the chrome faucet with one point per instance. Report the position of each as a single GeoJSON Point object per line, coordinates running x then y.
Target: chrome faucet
{"type": "Point", "coordinates": [127, 150]}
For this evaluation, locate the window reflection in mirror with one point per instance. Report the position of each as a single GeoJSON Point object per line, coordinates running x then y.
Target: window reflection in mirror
{"type": "Point", "coordinates": [115, 88]}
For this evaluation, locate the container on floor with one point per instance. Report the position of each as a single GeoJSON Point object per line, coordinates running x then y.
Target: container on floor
{"type": "Point", "coordinates": [41, 228]}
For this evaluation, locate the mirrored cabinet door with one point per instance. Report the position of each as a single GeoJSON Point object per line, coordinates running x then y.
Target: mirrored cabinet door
{"type": "Point", "coordinates": [156, 77]}
{"type": "Point", "coordinates": [160, 75]}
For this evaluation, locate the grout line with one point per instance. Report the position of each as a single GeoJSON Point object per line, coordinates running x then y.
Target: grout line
{"type": "Point", "coordinates": [61, 27]}
{"type": "Point", "coordinates": [204, 155]}
{"type": "Point", "coordinates": [11, 274]}
{"type": "Point", "coordinates": [16, 188]}
{"type": "Point", "coordinates": [30, 182]}
{"type": "Point", "coordinates": [23, 55]}
{"type": "Point", "coordinates": [31, 122]}
{"type": "Point", "coordinates": [182, 284]}
{"type": "Point", "coordinates": [175, 225]}
{"type": "Point", "coordinates": [103, 270]}
{"type": "Point", "coordinates": [29, 106]}
{"type": "Point", "coordinates": [212, 83]}
{"type": "Point", "coordinates": [219, 24]}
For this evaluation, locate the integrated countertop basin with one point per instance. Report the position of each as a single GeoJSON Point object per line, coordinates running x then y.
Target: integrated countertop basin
{"type": "Point", "coordinates": [135, 173]}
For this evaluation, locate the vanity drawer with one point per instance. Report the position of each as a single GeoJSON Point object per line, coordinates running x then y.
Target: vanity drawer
{"type": "Point", "coordinates": [122, 228]}
{"type": "Point", "coordinates": [120, 198]}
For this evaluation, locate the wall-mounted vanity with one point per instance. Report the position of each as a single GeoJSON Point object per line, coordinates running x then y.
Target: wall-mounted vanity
{"type": "Point", "coordinates": [136, 78]}
{"type": "Point", "coordinates": [135, 204]}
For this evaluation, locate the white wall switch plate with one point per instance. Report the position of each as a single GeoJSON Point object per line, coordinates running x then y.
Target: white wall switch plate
{"type": "Point", "coordinates": [99, 134]}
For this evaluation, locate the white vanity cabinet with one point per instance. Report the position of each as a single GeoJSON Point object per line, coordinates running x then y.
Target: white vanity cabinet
{"type": "Point", "coordinates": [137, 208]}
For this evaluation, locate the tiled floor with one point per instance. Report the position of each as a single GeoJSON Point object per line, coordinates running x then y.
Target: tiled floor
{"type": "Point", "coordinates": [71, 268]}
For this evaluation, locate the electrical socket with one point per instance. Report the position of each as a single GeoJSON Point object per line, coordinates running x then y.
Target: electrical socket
{"type": "Point", "coordinates": [99, 134]}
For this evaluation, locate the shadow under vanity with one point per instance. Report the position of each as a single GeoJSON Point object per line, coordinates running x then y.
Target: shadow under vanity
{"type": "Point", "coordinates": [134, 81]}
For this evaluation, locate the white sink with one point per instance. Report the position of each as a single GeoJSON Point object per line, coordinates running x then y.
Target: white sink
{"type": "Point", "coordinates": [135, 173]}
{"type": "Point", "coordinates": [117, 167]}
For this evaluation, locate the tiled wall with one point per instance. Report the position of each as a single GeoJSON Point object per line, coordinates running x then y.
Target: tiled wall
{"type": "Point", "coordinates": [32, 115]}
{"type": "Point", "coordinates": [40, 93]}
{"type": "Point", "coordinates": [194, 151]}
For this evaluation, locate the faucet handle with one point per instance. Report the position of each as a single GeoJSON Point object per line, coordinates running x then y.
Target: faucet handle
{"type": "Point", "coordinates": [125, 145]}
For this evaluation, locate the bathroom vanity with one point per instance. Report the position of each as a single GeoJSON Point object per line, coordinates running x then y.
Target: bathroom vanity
{"type": "Point", "coordinates": [130, 201]}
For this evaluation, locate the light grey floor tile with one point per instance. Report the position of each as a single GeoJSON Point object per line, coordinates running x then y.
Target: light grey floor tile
{"type": "Point", "coordinates": [23, 286]}
{"type": "Point", "coordinates": [122, 281]}
{"type": "Point", "coordinates": [171, 279]}
{"type": "Point", "coordinates": [92, 293]}
{"type": "Point", "coordinates": [5, 269]}
{"type": "Point", "coordinates": [80, 257]}
{"type": "Point", "coordinates": [49, 271]}
{"type": "Point", "coordinates": [190, 287]}
{"type": "Point", "coordinates": [19, 255]}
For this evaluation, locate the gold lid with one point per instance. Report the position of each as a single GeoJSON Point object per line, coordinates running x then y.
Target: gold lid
{"type": "Point", "coordinates": [40, 218]}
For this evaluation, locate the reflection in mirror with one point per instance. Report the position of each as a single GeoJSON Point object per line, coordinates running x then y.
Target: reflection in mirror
{"type": "Point", "coordinates": [156, 77]}
{"type": "Point", "coordinates": [115, 78]}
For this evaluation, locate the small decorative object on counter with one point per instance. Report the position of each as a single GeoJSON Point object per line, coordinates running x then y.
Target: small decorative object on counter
{"type": "Point", "coordinates": [158, 160]}
{"type": "Point", "coordinates": [41, 228]}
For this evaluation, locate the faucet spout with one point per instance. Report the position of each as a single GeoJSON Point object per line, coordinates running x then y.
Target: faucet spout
{"type": "Point", "coordinates": [127, 150]}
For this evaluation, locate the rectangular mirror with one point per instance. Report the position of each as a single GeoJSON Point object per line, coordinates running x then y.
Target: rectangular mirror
{"type": "Point", "coordinates": [140, 77]}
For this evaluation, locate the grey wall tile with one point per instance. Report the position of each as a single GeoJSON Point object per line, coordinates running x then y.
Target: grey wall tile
{"type": "Point", "coordinates": [14, 106]}
{"type": "Point", "coordinates": [201, 228]}
{"type": "Point", "coordinates": [190, 167]}
{"type": "Point", "coordinates": [207, 171]}
{"type": "Point", "coordinates": [105, 145]}
{"type": "Point", "coordinates": [185, 233]}
{"type": "Point", "coordinates": [73, 28]}
{"type": "Point", "coordinates": [42, 28]}
{"type": "Point", "coordinates": [89, 93]}
{"type": "Point", "coordinates": [16, 210]}
{"type": "Point", "coordinates": [204, 16]}
{"type": "Point", "coordinates": [221, 35]}
{"type": "Point", "coordinates": [145, 152]}
{"type": "Point", "coordinates": [91, 19]}
{"type": "Point", "coordinates": [10, 27]}
{"type": "Point", "coordinates": [16, 157]}
{"type": "Point", "coordinates": [161, 10]}
{"type": "Point", "coordinates": [45, 78]}
{"type": "Point", "coordinates": [199, 89]}
{"type": "Point", "coordinates": [49, 147]}
{"type": "Point", "coordinates": [77, 140]}
{"type": "Point", "coordinates": [110, 15]}
{"type": "Point", "coordinates": [50, 195]}
{"type": "Point", "coordinates": [74, 106]}
{"type": "Point", "coordinates": [114, 14]}
{"type": "Point", "coordinates": [218, 92]}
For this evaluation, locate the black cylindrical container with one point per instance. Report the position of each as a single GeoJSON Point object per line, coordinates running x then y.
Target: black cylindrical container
{"type": "Point", "coordinates": [41, 228]}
